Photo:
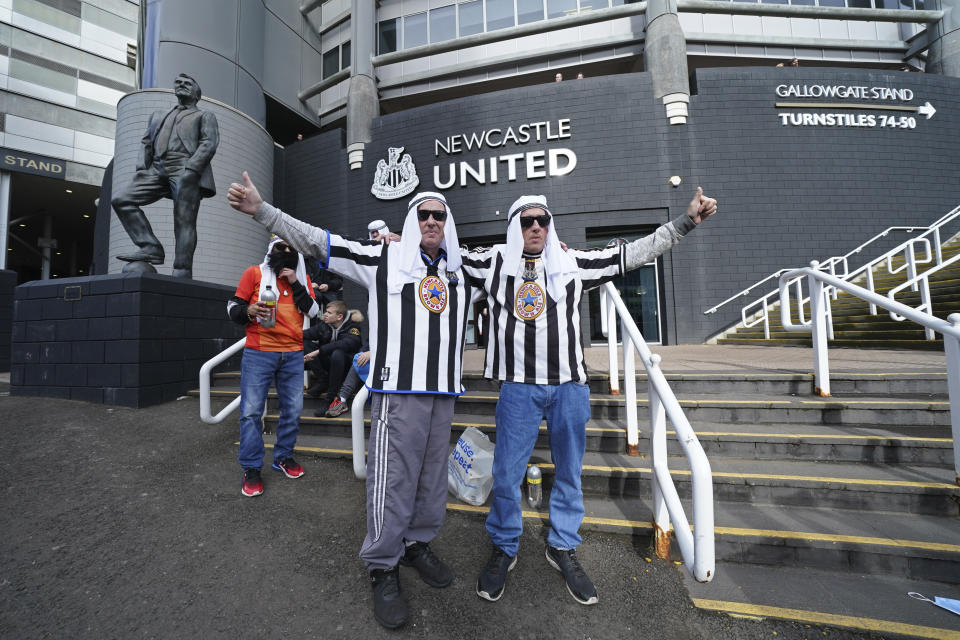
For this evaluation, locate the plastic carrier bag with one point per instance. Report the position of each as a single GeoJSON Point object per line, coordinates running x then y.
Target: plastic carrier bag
{"type": "Point", "coordinates": [470, 467]}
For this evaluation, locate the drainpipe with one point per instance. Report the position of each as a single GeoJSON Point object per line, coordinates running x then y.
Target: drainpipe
{"type": "Point", "coordinates": [665, 57]}
{"type": "Point", "coordinates": [363, 102]}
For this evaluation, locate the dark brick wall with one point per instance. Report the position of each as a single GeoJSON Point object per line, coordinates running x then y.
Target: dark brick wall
{"type": "Point", "coordinates": [132, 340]}
{"type": "Point", "coordinates": [8, 280]}
{"type": "Point", "coordinates": [788, 194]}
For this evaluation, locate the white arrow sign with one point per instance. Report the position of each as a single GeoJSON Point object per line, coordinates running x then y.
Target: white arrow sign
{"type": "Point", "coordinates": [926, 110]}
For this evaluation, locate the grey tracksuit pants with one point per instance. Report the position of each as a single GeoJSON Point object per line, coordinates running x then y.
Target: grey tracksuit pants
{"type": "Point", "coordinates": [406, 473]}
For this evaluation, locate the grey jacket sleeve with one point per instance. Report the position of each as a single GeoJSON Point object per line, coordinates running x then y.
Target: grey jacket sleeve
{"type": "Point", "coordinates": [305, 238]}
{"type": "Point", "coordinates": [642, 251]}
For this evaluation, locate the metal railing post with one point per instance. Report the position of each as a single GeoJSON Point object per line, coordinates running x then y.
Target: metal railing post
{"type": "Point", "coordinates": [205, 372]}
{"type": "Point", "coordinates": [630, 393]}
{"type": "Point", "coordinates": [612, 346]}
{"type": "Point", "coordinates": [821, 364]}
{"type": "Point", "coordinates": [356, 432]}
{"type": "Point", "coordinates": [951, 347]}
{"type": "Point", "coordinates": [658, 447]}
{"type": "Point", "coordinates": [911, 256]}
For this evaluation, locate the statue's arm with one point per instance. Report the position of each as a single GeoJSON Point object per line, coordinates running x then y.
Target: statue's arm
{"type": "Point", "coordinates": [146, 147]}
{"type": "Point", "coordinates": [206, 143]}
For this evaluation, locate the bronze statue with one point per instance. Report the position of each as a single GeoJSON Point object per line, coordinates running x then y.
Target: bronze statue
{"type": "Point", "coordinates": [174, 163]}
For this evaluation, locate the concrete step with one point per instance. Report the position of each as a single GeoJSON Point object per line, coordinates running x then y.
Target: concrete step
{"type": "Point", "coordinates": [766, 409]}
{"type": "Point", "coordinates": [905, 489]}
{"type": "Point", "coordinates": [922, 410]}
{"type": "Point", "coordinates": [880, 542]}
{"type": "Point", "coordinates": [929, 446]}
{"type": "Point", "coordinates": [715, 382]}
{"type": "Point", "coordinates": [725, 382]}
{"type": "Point", "coordinates": [920, 345]}
{"type": "Point", "coordinates": [848, 599]}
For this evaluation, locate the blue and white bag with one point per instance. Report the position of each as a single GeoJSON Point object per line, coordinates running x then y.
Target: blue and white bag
{"type": "Point", "coordinates": [470, 467]}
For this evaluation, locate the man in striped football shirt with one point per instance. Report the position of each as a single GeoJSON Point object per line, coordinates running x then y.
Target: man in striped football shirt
{"type": "Point", "coordinates": [534, 289]}
{"type": "Point", "coordinates": [419, 301]}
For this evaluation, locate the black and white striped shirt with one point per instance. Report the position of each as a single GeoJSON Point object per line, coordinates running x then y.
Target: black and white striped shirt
{"type": "Point", "coordinates": [416, 335]}
{"type": "Point", "coordinates": [535, 339]}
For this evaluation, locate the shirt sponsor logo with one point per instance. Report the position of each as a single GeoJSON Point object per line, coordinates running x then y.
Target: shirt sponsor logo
{"type": "Point", "coordinates": [433, 294]}
{"type": "Point", "coordinates": [530, 301]}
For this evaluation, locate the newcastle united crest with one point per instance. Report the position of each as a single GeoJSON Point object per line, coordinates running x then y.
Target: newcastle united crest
{"type": "Point", "coordinates": [396, 178]}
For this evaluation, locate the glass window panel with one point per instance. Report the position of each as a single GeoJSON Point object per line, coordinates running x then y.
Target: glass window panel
{"type": "Point", "coordinates": [415, 30]}
{"type": "Point", "coordinates": [443, 23]}
{"type": "Point", "coordinates": [471, 18]}
{"type": "Point", "coordinates": [387, 36]}
{"type": "Point", "coordinates": [500, 14]}
{"type": "Point", "coordinates": [560, 8]}
{"type": "Point", "coordinates": [774, 1]}
{"type": "Point", "coordinates": [331, 61]}
{"type": "Point", "coordinates": [345, 55]}
{"type": "Point", "coordinates": [803, 2]}
{"type": "Point", "coordinates": [531, 10]}
{"type": "Point", "coordinates": [860, 4]}
{"type": "Point", "coordinates": [832, 3]}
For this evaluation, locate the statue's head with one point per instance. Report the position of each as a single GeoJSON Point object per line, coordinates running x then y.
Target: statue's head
{"type": "Point", "coordinates": [186, 89]}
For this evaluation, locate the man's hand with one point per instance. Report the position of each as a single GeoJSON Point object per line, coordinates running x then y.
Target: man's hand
{"type": "Point", "coordinates": [701, 207]}
{"type": "Point", "coordinates": [244, 197]}
{"type": "Point", "coordinates": [323, 287]}
{"type": "Point", "coordinates": [363, 358]}
{"type": "Point", "coordinates": [256, 310]}
{"type": "Point", "coordinates": [289, 274]}
{"type": "Point", "coordinates": [310, 356]}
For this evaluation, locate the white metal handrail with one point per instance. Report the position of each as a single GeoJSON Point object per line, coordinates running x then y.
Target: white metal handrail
{"type": "Point", "coordinates": [757, 311]}
{"type": "Point", "coordinates": [818, 281]}
{"type": "Point", "coordinates": [356, 432]}
{"type": "Point", "coordinates": [205, 372]}
{"type": "Point", "coordinates": [921, 281]}
{"type": "Point", "coordinates": [696, 547]}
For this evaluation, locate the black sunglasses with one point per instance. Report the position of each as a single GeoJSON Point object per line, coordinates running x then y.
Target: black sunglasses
{"type": "Point", "coordinates": [527, 221]}
{"type": "Point", "coordinates": [438, 214]}
{"type": "Point", "coordinates": [281, 248]}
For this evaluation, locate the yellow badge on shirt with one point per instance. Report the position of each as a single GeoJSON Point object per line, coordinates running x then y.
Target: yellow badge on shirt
{"type": "Point", "coordinates": [530, 301]}
{"type": "Point", "coordinates": [433, 294]}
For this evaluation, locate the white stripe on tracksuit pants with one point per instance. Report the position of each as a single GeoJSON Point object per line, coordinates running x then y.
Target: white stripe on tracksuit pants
{"type": "Point", "coordinates": [409, 442]}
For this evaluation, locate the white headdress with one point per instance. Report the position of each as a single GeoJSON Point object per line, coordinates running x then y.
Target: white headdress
{"type": "Point", "coordinates": [409, 265]}
{"type": "Point", "coordinates": [268, 277]}
{"type": "Point", "coordinates": [558, 266]}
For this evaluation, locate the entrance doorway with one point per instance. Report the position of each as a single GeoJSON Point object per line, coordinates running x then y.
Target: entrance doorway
{"type": "Point", "coordinates": [51, 223]}
{"type": "Point", "coordinates": [640, 290]}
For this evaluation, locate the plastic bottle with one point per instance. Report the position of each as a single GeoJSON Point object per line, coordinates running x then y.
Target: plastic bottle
{"type": "Point", "coordinates": [534, 487]}
{"type": "Point", "coordinates": [269, 300]}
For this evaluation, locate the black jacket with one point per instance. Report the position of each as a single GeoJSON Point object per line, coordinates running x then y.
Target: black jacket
{"type": "Point", "coordinates": [348, 337]}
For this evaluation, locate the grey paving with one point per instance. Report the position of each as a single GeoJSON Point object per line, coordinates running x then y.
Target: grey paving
{"type": "Point", "coordinates": [129, 523]}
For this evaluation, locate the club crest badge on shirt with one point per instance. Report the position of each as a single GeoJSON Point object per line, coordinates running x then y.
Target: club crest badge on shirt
{"type": "Point", "coordinates": [530, 301]}
{"type": "Point", "coordinates": [433, 294]}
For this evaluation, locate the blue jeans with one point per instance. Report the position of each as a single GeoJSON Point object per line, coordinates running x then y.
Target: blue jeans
{"type": "Point", "coordinates": [257, 370]}
{"type": "Point", "coordinates": [519, 412]}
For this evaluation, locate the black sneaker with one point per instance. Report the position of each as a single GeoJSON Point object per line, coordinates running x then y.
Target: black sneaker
{"type": "Point", "coordinates": [433, 570]}
{"type": "Point", "coordinates": [493, 578]}
{"type": "Point", "coordinates": [389, 607]}
{"type": "Point", "coordinates": [578, 582]}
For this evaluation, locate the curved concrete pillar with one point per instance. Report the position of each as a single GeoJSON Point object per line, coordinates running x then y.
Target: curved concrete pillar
{"type": "Point", "coordinates": [363, 101]}
{"type": "Point", "coordinates": [227, 242]}
{"type": "Point", "coordinates": [227, 61]}
{"type": "Point", "coordinates": [665, 57]}
{"type": "Point", "coordinates": [943, 56]}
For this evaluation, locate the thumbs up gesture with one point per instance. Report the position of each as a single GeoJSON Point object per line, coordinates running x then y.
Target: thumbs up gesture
{"type": "Point", "coordinates": [701, 207]}
{"type": "Point", "coordinates": [244, 197]}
